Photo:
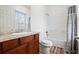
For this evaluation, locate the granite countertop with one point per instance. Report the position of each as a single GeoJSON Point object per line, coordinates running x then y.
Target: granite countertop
{"type": "Point", "coordinates": [15, 35]}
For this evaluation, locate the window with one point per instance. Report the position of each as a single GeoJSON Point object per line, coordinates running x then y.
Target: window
{"type": "Point", "coordinates": [21, 21]}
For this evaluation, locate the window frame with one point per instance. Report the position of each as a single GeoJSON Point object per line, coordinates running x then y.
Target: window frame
{"type": "Point", "coordinates": [19, 29]}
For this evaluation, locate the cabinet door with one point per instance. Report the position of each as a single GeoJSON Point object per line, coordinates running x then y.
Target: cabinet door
{"type": "Point", "coordinates": [26, 39]}
{"type": "Point", "coordinates": [7, 45]}
{"type": "Point", "coordinates": [33, 47]}
{"type": "Point", "coordinates": [36, 43]}
{"type": "Point", "coordinates": [0, 47]}
{"type": "Point", "coordinates": [23, 49]}
{"type": "Point", "coordinates": [36, 46]}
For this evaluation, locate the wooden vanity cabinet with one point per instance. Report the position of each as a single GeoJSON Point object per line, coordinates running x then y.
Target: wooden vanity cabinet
{"type": "Point", "coordinates": [23, 49]}
{"type": "Point", "coordinates": [26, 39]}
{"type": "Point", "coordinates": [33, 47]}
{"type": "Point", "coordinates": [33, 43]}
{"type": "Point", "coordinates": [30, 41]}
{"type": "Point", "coordinates": [36, 43]}
{"type": "Point", "coordinates": [0, 48]}
{"type": "Point", "coordinates": [23, 45]}
{"type": "Point", "coordinates": [37, 36]}
{"type": "Point", "coordinates": [10, 44]}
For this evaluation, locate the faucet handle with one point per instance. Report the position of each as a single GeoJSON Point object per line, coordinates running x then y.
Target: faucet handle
{"type": "Point", "coordinates": [46, 32]}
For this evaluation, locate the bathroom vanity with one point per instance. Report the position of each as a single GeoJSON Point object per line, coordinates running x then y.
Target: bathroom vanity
{"type": "Point", "coordinates": [27, 43]}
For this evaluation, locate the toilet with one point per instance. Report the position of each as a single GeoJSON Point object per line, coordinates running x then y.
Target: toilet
{"type": "Point", "coordinates": [45, 46]}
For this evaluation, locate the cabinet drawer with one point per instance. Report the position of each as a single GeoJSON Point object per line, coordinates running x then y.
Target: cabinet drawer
{"type": "Point", "coordinates": [23, 49]}
{"type": "Point", "coordinates": [26, 39]}
{"type": "Point", "coordinates": [10, 44]}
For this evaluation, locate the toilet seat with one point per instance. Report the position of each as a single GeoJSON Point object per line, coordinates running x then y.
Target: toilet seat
{"type": "Point", "coordinates": [46, 43]}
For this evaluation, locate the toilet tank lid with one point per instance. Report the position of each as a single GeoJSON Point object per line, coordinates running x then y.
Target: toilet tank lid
{"type": "Point", "coordinates": [46, 43]}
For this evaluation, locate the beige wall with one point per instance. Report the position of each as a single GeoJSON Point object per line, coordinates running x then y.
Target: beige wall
{"type": "Point", "coordinates": [38, 19]}
{"type": "Point", "coordinates": [7, 17]}
{"type": "Point", "coordinates": [57, 24]}
{"type": "Point", "coordinates": [51, 18]}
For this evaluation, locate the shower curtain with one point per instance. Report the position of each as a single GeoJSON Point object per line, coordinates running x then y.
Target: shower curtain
{"type": "Point", "coordinates": [71, 28]}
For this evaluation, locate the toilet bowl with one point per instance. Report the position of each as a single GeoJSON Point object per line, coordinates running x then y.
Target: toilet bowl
{"type": "Point", "coordinates": [45, 46]}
